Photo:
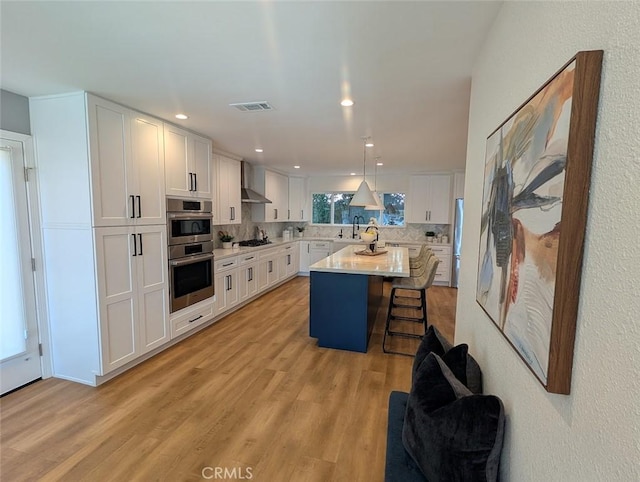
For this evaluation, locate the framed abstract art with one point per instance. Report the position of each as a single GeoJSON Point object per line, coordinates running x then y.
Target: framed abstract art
{"type": "Point", "coordinates": [534, 213]}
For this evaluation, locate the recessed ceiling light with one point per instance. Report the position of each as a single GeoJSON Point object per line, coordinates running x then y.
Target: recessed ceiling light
{"type": "Point", "coordinates": [369, 144]}
{"type": "Point", "coordinates": [353, 174]}
{"type": "Point", "coordinates": [182, 116]}
{"type": "Point", "coordinates": [379, 164]}
{"type": "Point", "coordinates": [296, 167]}
{"type": "Point", "coordinates": [346, 103]}
{"type": "Point", "coordinates": [259, 150]}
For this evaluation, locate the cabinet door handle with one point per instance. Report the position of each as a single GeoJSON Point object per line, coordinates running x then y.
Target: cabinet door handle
{"type": "Point", "coordinates": [288, 213]}
{"type": "Point", "coordinates": [270, 266]}
{"type": "Point", "coordinates": [195, 181]}
{"type": "Point", "coordinates": [139, 208]}
{"type": "Point", "coordinates": [426, 215]}
{"type": "Point", "coordinates": [308, 248]}
{"type": "Point", "coordinates": [288, 259]}
{"type": "Point", "coordinates": [135, 245]}
{"type": "Point", "coordinates": [196, 318]}
{"type": "Point", "coordinates": [133, 206]}
{"type": "Point", "coordinates": [250, 273]}
{"type": "Point", "coordinates": [140, 239]}
{"type": "Point", "coordinates": [228, 282]}
{"type": "Point", "coordinates": [232, 213]}
{"type": "Point", "coordinates": [227, 264]}
{"type": "Point", "coordinates": [301, 214]}
{"type": "Point", "coordinates": [276, 213]}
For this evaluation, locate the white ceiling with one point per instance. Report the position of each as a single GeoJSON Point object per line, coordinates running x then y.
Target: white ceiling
{"type": "Point", "coordinates": [407, 66]}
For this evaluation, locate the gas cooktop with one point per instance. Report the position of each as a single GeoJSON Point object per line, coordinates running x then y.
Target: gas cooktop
{"type": "Point", "coordinates": [254, 242]}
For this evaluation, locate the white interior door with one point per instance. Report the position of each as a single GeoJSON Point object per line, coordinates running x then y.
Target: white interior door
{"type": "Point", "coordinates": [19, 357]}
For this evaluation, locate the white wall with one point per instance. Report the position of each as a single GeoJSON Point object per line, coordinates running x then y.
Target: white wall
{"type": "Point", "coordinates": [593, 433]}
{"type": "Point", "coordinates": [385, 182]}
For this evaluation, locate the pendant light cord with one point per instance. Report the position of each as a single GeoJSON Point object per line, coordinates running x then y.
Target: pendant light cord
{"type": "Point", "coordinates": [364, 159]}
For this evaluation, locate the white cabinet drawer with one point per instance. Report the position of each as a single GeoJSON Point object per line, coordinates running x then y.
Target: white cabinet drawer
{"type": "Point", "coordinates": [248, 258]}
{"type": "Point", "coordinates": [268, 253]}
{"type": "Point", "coordinates": [225, 264]}
{"type": "Point", "coordinates": [194, 317]}
{"type": "Point", "coordinates": [320, 245]}
{"type": "Point", "coordinates": [444, 250]}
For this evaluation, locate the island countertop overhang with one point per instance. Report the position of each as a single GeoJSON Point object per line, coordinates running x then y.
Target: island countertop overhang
{"type": "Point", "coordinates": [395, 262]}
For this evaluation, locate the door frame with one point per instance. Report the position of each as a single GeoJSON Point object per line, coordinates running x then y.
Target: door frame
{"type": "Point", "coordinates": [35, 229]}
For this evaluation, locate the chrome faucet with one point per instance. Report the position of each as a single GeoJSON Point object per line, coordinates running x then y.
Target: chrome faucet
{"type": "Point", "coordinates": [356, 225]}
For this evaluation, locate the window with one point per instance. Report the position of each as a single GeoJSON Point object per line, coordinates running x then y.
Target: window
{"type": "Point", "coordinates": [333, 208]}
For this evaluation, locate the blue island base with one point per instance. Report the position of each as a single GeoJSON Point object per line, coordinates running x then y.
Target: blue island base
{"type": "Point", "coordinates": [343, 309]}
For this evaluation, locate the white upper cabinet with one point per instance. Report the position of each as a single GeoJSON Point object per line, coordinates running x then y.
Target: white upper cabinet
{"type": "Point", "coordinates": [429, 199]}
{"type": "Point", "coordinates": [297, 199]}
{"type": "Point", "coordinates": [127, 165]}
{"type": "Point", "coordinates": [275, 187]}
{"type": "Point", "coordinates": [228, 208]}
{"type": "Point", "coordinates": [188, 164]}
{"type": "Point", "coordinates": [147, 143]}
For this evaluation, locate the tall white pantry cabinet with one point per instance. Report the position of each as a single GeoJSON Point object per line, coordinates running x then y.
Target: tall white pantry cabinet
{"type": "Point", "coordinates": [100, 168]}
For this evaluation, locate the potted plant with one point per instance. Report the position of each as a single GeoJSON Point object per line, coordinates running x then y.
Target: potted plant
{"type": "Point", "coordinates": [226, 239]}
{"type": "Point", "coordinates": [300, 231]}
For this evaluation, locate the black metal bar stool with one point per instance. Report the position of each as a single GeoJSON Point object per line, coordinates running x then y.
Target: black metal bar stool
{"type": "Point", "coordinates": [420, 280]}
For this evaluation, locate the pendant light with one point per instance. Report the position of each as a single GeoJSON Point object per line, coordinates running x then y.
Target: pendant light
{"type": "Point", "coordinates": [378, 206]}
{"type": "Point", "coordinates": [363, 196]}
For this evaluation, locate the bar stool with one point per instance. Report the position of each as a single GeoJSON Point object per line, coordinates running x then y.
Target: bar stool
{"type": "Point", "coordinates": [420, 280]}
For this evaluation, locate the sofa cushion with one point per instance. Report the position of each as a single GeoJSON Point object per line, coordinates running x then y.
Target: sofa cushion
{"type": "Point", "coordinates": [450, 433]}
{"type": "Point", "coordinates": [434, 342]}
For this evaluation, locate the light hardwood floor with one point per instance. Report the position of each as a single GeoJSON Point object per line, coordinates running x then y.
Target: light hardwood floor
{"type": "Point", "coordinates": [252, 393]}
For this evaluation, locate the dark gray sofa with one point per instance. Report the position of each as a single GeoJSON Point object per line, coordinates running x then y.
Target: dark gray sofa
{"type": "Point", "coordinates": [442, 431]}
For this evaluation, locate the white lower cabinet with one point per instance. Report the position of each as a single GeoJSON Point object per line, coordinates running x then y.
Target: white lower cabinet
{"type": "Point", "coordinates": [191, 317]}
{"type": "Point", "coordinates": [132, 292]}
{"type": "Point", "coordinates": [267, 269]}
{"type": "Point", "coordinates": [248, 276]}
{"type": "Point", "coordinates": [288, 261]}
{"type": "Point", "coordinates": [226, 284]}
{"type": "Point", "coordinates": [319, 250]}
{"type": "Point", "coordinates": [443, 273]}
{"type": "Point", "coordinates": [311, 252]}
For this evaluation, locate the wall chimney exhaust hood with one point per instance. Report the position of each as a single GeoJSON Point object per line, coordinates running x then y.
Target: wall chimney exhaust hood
{"type": "Point", "coordinates": [248, 195]}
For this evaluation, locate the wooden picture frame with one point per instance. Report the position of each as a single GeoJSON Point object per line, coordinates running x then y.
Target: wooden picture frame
{"type": "Point", "coordinates": [534, 213]}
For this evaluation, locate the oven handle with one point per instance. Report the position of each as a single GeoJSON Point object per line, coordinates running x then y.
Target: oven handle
{"type": "Point", "coordinates": [191, 260]}
{"type": "Point", "coordinates": [189, 215]}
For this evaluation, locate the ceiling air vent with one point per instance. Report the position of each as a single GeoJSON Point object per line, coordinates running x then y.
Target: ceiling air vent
{"type": "Point", "coordinates": [258, 106]}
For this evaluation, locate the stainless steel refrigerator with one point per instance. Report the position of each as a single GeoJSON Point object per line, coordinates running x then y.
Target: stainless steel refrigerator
{"type": "Point", "coordinates": [457, 242]}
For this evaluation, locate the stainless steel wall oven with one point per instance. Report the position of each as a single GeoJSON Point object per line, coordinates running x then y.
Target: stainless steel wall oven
{"type": "Point", "coordinates": [189, 226]}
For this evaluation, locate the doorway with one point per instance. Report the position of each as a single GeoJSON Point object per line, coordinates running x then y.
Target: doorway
{"type": "Point", "coordinates": [19, 346]}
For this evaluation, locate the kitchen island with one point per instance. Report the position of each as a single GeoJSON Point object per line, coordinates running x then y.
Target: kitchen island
{"type": "Point", "coordinates": [345, 293]}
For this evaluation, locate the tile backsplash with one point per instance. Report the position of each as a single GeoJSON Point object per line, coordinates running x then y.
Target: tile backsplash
{"type": "Point", "coordinates": [247, 230]}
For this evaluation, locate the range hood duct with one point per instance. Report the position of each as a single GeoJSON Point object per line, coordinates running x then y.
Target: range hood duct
{"type": "Point", "coordinates": [248, 195]}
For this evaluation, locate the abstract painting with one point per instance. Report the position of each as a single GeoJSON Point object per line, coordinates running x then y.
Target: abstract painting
{"type": "Point", "coordinates": [535, 193]}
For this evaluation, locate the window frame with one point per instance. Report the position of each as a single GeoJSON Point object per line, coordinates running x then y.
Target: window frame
{"type": "Point", "coordinates": [332, 210]}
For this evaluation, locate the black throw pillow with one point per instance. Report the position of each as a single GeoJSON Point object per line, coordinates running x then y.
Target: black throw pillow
{"type": "Point", "coordinates": [450, 433]}
{"type": "Point", "coordinates": [430, 344]}
{"type": "Point", "coordinates": [455, 358]}
{"type": "Point", "coordinates": [433, 342]}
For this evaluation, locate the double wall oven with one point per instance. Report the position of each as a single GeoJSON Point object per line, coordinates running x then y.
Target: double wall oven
{"type": "Point", "coordinates": [190, 235]}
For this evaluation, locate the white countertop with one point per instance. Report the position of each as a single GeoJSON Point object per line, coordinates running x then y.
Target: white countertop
{"type": "Point", "coordinates": [220, 253]}
{"type": "Point", "coordinates": [395, 262]}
